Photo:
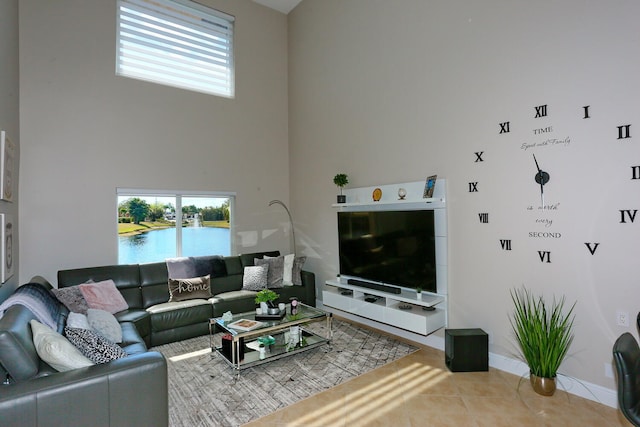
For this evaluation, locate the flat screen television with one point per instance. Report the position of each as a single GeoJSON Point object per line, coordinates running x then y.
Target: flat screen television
{"type": "Point", "coordinates": [395, 248]}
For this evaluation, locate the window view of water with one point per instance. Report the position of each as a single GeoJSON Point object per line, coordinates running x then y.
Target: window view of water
{"type": "Point", "coordinates": [157, 245]}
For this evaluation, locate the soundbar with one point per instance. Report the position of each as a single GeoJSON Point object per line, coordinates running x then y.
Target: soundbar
{"type": "Point", "coordinates": [375, 286]}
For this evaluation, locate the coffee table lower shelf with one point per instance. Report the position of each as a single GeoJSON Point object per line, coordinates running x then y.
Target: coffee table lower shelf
{"type": "Point", "coordinates": [274, 351]}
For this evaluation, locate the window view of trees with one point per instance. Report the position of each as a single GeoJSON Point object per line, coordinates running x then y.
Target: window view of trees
{"type": "Point", "coordinates": [137, 211]}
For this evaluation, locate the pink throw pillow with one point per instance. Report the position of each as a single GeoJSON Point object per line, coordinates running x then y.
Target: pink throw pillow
{"type": "Point", "coordinates": [104, 296]}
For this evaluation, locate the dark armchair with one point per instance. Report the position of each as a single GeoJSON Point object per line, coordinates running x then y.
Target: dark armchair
{"type": "Point", "coordinates": [626, 357]}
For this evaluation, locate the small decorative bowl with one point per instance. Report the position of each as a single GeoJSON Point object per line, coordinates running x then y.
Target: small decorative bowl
{"type": "Point", "coordinates": [273, 311]}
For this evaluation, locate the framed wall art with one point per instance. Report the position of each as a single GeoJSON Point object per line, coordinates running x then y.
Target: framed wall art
{"type": "Point", "coordinates": [429, 186]}
{"type": "Point", "coordinates": [7, 161]}
{"type": "Point", "coordinates": [6, 249]}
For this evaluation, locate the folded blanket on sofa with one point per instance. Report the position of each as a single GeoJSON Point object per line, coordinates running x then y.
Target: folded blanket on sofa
{"type": "Point", "coordinates": [190, 267]}
{"type": "Point", "coordinates": [44, 306]}
{"type": "Point", "coordinates": [181, 268]}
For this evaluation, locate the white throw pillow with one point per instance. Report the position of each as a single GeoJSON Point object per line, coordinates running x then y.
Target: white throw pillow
{"type": "Point", "coordinates": [287, 275]}
{"type": "Point", "coordinates": [78, 320]}
{"type": "Point", "coordinates": [105, 324]}
{"type": "Point", "coordinates": [55, 349]}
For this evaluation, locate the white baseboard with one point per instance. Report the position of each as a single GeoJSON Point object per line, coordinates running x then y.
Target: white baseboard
{"type": "Point", "coordinates": [574, 386]}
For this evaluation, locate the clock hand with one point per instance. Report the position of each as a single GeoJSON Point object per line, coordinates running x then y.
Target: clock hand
{"type": "Point", "coordinates": [542, 178]}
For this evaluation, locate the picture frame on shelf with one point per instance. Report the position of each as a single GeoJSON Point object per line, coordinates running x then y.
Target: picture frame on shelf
{"type": "Point", "coordinates": [7, 160]}
{"type": "Point", "coordinates": [429, 186]}
{"type": "Point", "coordinates": [6, 249]}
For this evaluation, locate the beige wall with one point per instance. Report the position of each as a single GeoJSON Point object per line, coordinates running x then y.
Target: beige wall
{"type": "Point", "coordinates": [384, 91]}
{"type": "Point", "coordinates": [9, 112]}
{"type": "Point", "coordinates": [393, 92]}
{"type": "Point", "coordinates": [86, 132]}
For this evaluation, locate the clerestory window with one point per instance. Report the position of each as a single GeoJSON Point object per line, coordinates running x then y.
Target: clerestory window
{"type": "Point", "coordinates": [177, 43]}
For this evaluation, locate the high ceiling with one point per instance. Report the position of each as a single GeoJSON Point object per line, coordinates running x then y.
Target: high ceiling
{"type": "Point", "coordinates": [284, 6]}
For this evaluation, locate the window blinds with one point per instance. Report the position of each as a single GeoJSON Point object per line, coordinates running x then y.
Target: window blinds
{"type": "Point", "coordinates": [177, 43]}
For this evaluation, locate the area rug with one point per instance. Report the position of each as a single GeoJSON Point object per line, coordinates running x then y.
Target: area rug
{"type": "Point", "coordinates": [204, 390]}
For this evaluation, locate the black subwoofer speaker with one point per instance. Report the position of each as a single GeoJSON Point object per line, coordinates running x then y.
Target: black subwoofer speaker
{"type": "Point", "coordinates": [466, 350]}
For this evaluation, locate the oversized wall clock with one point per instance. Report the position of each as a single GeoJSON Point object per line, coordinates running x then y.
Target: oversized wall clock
{"type": "Point", "coordinates": [548, 161]}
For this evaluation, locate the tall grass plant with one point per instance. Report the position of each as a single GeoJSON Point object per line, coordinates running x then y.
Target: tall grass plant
{"type": "Point", "coordinates": [544, 334]}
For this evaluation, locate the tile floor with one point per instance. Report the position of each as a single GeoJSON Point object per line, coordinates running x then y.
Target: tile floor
{"type": "Point", "coordinates": [418, 390]}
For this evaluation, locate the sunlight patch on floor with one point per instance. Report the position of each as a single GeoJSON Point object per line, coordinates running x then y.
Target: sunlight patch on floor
{"type": "Point", "coordinates": [190, 355]}
{"type": "Point", "coordinates": [385, 394]}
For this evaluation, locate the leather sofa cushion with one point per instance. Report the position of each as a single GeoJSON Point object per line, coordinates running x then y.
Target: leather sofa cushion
{"type": "Point", "coordinates": [132, 343]}
{"type": "Point", "coordinates": [154, 283]}
{"type": "Point", "coordinates": [226, 284]}
{"type": "Point", "coordinates": [140, 318]}
{"type": "Point", "coordinates": [233, 295]}
{"type": "Point", "coordinates": [182, 313]}
{"type": "Point", "coordinates": [18, 355]}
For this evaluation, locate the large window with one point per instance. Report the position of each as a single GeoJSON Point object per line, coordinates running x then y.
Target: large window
{"type": "Point", "coordinates": [156, 225]}
{"type": "Point", "coordinates": [176, 43]}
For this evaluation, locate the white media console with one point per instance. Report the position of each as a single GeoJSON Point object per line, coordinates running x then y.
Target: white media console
{"type": "Point", "coordinates": [404, 310]}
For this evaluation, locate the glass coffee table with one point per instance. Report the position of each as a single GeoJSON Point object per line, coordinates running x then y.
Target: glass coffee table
{"type": "Point", "coordinates": [248, 342]}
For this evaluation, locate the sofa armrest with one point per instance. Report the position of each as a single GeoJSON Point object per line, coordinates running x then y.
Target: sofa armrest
{"type": "Point", "coordinates": [131, 391]}
{"type": "Point", "coordinates": [42, 281]}
{"type": "Point", "coordinates": [309, 287]}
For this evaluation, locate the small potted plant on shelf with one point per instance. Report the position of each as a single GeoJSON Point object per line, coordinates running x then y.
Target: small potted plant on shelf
{"type": "Point", "coordinates": [266, 298]}
{"type": "Point", "coordinates": [419, 292]}
{"type": "Point", "coordinates": [543, 333]}
{"type": "Point", "coordinates": [341, 180]}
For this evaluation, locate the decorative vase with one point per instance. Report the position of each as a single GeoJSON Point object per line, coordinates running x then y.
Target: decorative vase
{"type": "Point", "coordinates": [265, 307]}
{"type": "Point", "coordinates": [543, 386]}
{"type": "Point", "coordinates": [342, 198]}
{"type": "Point", "coordinates": [294, 336]}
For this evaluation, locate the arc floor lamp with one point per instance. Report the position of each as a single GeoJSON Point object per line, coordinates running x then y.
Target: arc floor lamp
{"type": "Point", "coordinates": [293, 232]}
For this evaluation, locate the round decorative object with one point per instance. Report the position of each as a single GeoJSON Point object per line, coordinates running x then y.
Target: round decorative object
{"type": "Point", "coordinates": [543, 386]}
{"type": "Point", "coordinates": [402, 193]}
{"type": "Point", "coordinates": [377, 195]}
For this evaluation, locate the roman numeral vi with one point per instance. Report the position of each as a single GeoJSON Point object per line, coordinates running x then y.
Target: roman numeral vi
{"type": "Point", "coordinates": [545, 256]}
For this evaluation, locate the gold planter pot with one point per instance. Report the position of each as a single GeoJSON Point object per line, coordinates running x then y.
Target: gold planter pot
{"type": "Point", "coordinates": [543, 386]}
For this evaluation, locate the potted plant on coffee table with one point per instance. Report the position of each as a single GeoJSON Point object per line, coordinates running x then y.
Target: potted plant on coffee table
{"type": "Point", "coordinates": [266, 298]}
{"type": "Point", "coordinates": [341, 180]}
{"type": "Point", "coordinates": [544, 334]}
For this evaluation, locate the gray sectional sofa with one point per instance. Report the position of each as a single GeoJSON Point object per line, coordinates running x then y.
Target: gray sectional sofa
{"type": "Point", "coordinates": [131, 391]}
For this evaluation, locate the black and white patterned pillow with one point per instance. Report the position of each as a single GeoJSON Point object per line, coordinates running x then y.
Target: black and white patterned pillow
{"type": "Point", "coordinates": [255, 278]}
{"type": "Point", "coordinates": [93, 345]}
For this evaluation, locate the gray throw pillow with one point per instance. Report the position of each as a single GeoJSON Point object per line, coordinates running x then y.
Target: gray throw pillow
{"type": "Point", "coordinates": [72, 298]}
{"type": "Point", "coordinates": [78, 320]}
{"type": "Point", "coordinates": [276, 270]}
{"type": "Point", "coordinates": [185, 289]}
{"type": "Point", "coordinates": [104, 323]}
{"type": "Point", "coordinates": [298, 262]}
{"type": "Point", "coordinates": [255, 278]}
{"type": "Point", "coordinates": [93, 345]}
